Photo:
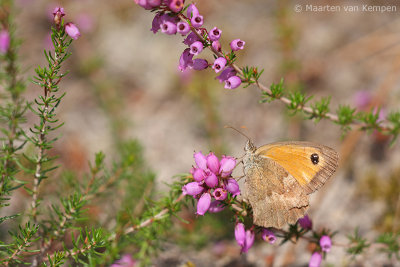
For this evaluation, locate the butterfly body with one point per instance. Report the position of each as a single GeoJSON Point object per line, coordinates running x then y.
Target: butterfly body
{"type": "Point", "coordinates": [280, 176]}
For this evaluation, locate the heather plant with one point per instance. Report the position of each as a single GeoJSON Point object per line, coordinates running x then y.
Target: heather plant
{"type": "Point", "coordinates": [61, 229]}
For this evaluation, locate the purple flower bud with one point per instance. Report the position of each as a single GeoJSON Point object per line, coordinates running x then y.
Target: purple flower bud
{"type": "Point", "coordinates": [216, 206]}
{"type": "Point", "coordinates": [168, 27]}
{"type": "Point", "coordinates": [192, 11]}
{"type": "Point", "coordinates": [191, 38]}
{"type": "Point", "coordinates": [237, 44]}
{"type": "Point", "coordinates": [154, 3]}
{"type": "Point", "coordinates": [211, 179]}
{"type": "Point", "coordinates": [201, 160]}
{"type": "Point", "coordinates": [192, 189]}
{"type": "Point", "coordinates": [199, 175]}
{"type": "Point", "coordinates": [203, 204]}
{"type": "Point", "coordinates": [183, 27]}
{"type": "Point", "coordinates": [72, 30]}
{"type": "Point", "coordinates": [58, 13]}
{"type": "Point", "coordinates": [232, 82]}
{"type": "Point", "coordinates": [144, 3]}
{"type": "Point", "coordinates": [226, 74]}
{"type": "Point", "coordinates": [305, 222]}
{"type": "Point", "coordinates": [185, 60]}
{"type": "Point", "coordinates": [268, 236]}
{"type": "Point", "coordinates": [196, 48]}
{"type": "Point", "coordinates": [176, 5]}
{"type": "Point", "coordinates": [326, 243]}
{"type": "Point", "coordinates": [315, 260]}
{"type": "Point", "coordinates": [197, 21]}
{"type": "Point", "coordinates": [125, 261]}
{"type": "Point", "coordinates": [249, 241]}
{"type": "Point", "coordinates": [216, 45]}
{"type": "Point", "coordinates": [240, 234]}
{"type": "Point", "coordinates": [200, 64]}
{"type": "Point", "coordinates": [227, 165]}
{"type": "Point", "coordinates": [215, 34]}
{"type": "Point", "coordinates": [220, 194]}
{"type": "Point", "coordinates": [155, 25]}
{"type": "Point", "coordinates": [213, 163]}
{"type": "Point", "coordinates": [4, 41]}
{"type": "Point", "coordinates": [232, 186]}
{"type": "Point", "coordinates": [219, 64]}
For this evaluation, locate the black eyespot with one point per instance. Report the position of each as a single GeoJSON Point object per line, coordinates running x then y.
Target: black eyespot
{"type": "Point", "coordinates": [314, 158]}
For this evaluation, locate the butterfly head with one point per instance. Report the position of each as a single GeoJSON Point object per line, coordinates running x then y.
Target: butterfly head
{"type": "Point", "coordinates": [250, 147]}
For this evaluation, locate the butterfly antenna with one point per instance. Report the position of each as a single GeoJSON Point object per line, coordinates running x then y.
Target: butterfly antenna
{"type": "Point", "coordinates": [233, 128]}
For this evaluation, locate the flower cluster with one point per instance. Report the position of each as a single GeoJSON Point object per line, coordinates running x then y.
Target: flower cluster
{"type": "Point", "coordinates": [245, 238]}
{"type": "Point", "coordinates": [4, 41]}
{"type": "Point", "coordinates": [169, 19]}
{"type": "Point", "coordinates": [212, 179]}
{"type": "Point", "coordinates": [325, 242]}
{"type": "Point", "coordinates": [70, 28]}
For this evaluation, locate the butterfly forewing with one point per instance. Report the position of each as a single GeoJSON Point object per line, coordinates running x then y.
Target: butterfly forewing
{"type": "Point", "coordinates": [309, 163]}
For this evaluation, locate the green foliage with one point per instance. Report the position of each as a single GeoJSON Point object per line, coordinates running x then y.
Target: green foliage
{"type": "Point", "coordinates": [345, 117]}
{"type": "Point", "coordinates": [357, 243]}
{"type": "Point", "coordinates": [320, 109]}
{"type": "Point", "coordinates": [276, 92]}
{"type": "Point", "coordinates": [251, 75]}
{"type": "Point", "coordinates": [22, 242]}
{"type": "Point", "coordinates": [297, 101]}
{"type": "Point", "coordinates": [392, 242]}
{"type": "Point", "coordinates": [394, 119]}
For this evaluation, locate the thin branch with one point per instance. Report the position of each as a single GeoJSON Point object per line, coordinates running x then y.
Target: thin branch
{"type": "Point", "coordinates": [266, 89]}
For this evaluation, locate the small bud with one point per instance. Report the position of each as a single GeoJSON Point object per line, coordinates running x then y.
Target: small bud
{"type": "Point", "coordinates": [203, 204]}
{"type": "Point", "coordinates": [200, 64]}
{"type": "Point", "coordinates": [196, 48]}
{"type": "Point", "coordinates": [219, 64]}
{"type": "Point", "coordinates": [199, 175]}
{"type": "Point", "coordinates": [326, 243]}
{"type": "Point", "coordinates": [215, 34]}
{"type": "Point", "coordinates": [315, 260]}
{"type": "Point", "coordinates": [249, 241]}
{"type": "Point", "coordinates": [197, 21]}
{"type": "Point", "coordinates": [192, 11]}
{"type": "Point", "coordinates": [268, 236]}
{"type": "Point", "coordinates": [201, 160]}
{"type": "Point", "coordinates": [183, 27]}
{"type": "Point", "coordinates": [192, 189]}
{"type": "Point", "coordinates": [216, 206]}
{"type": "Point", "coordinates": [72, 30]}
{"type": "Point", "coordinates": [216, 45]}
{"type": "Point", "coordinates": [226, 74]}
{"type": "Point", "coordinates": [191, 38]}
{"type": "Point", "coordinates": [185, 60]}
{"type": "Point", "coordinates": [176, 5]}
{"type": "Point", "coordinates": [220, 194]}
{"type": "Point", "coordinates": [213, 163]}
{"type": "Point", "coordinates": [233, 82]}
{"type": "Point", "coordinates": [305, 222]}
{"type": "Point", "coordinates": [240, 234]}
{"type": "Point", "coordinates": [232, 186]}
{"type": "Point", "coordinates": [4, 41]}
{"type": "Point", "coordinates": [211, 179]}
{"type": "Point", "coordinates": [237, 44]}
{"type": "Point", "coordinates": [227, 165]}
{"type": "Point", "coordinates": [168, 27]}
{"type": "Point", "coordinates": [58, 13]}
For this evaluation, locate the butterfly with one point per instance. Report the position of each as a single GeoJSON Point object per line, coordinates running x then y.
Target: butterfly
{"type": "Point", "coordinates": [280, 176]}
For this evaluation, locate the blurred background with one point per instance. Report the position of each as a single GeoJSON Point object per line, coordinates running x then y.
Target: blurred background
{"type": "Point", "coordinates": [125, 84]}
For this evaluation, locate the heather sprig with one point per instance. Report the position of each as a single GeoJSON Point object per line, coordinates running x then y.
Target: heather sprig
{"type": "Point", "coordinates": [235, 76]}
{"type": "Point", "coordinates": [12, 109]}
